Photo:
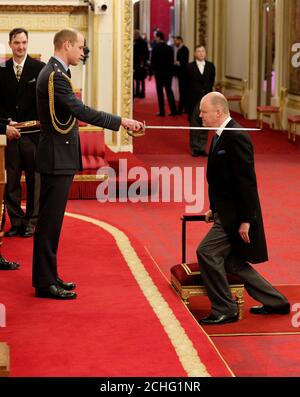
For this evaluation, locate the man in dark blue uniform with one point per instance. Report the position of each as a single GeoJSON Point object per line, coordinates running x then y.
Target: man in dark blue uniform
{"type": "Point", "coordinates": [59, 156]}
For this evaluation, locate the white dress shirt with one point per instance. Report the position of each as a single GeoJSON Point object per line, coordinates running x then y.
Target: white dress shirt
{"type": "Point", "coordinates": [221, 128]}
{"type": "Point", "coordinates": [201, 66]}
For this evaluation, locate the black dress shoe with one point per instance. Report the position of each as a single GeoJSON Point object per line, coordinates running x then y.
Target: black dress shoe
{"type": "Point", "coordinates": [13, 231]}
{"type": "Point", "coordinates": [6, 265]}
{"type": "Point", "coordinates": [221, 319]}
{"type": "Point", "coordinates": [28, 232]}
{"type": "Point", "coordinates": [173, 114]}
{"type": "Point", "coordinates": [203, 153]}
{"type": "Point", "coordinates": [160, 114]}
{"type": "Point", "coordinates": [264, 309]}
{"type": "Point", "coordinates": [66, 286]}
{"type": "Point", "coordinates": [195, 154]}
{"type": "Point", "coordinates": [55, 292]}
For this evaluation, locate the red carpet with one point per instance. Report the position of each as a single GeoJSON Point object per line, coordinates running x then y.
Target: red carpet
{"type": "Point", "coordinates": [257, 356]}
{"type": "Point", "coordinates": [106, 331]}
{"type": "Point", "coordinates": [156, 226]}
{"type": "Point", "coordinates": [251, 323]}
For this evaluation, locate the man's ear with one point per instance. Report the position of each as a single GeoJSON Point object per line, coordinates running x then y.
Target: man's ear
{"type": "Point", "coordinates": [67, 45]}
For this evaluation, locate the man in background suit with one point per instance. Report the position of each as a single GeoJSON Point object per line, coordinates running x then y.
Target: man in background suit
{"type": "Point", "coordinates": [18, 103]}
{"type": "Point", "coordinates": [140, 64]}
{"type": "Point", "coordinates": [59, 156]}
{"type": "Point", "coordinates": [11, 133]}
{"type": "Point", "coordinates": [162, 64]}
{"type": "Point", "coordinates": [182, 60]}
{"type": "Point", "coordinates": [237, 236]}
{"type": "Point", "coordinates": [200, 80]}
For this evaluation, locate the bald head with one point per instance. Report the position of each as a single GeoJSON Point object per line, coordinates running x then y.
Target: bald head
{"type": "Point", "coordinates": [214, 109]}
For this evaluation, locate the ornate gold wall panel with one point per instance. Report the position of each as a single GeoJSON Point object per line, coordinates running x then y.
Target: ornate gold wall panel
{"type": "Point", "coordinates": [127, 15]}
{"type": "Point", "coordinates": [48, 21]}
{"type": "Point", "coordinates": [201, 22]}
{"type": "Point", "coordinates": [294, 75]}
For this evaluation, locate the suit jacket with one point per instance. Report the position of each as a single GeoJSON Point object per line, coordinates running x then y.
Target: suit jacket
{"type": "Point", "coordinates": [18, 99]}
{"type": "Point", "coordinates": [233, 191]}
{"type": "Point", "coordinates": [60, 153]}
{"type": "Point", "coordinates": [162, 60]}
{"type": "Point", "coordinates": [199, 84]}
{"type": "Point", "coordinates": [182, 57]}
{"type": "Point", "coordinates": [3, 124]}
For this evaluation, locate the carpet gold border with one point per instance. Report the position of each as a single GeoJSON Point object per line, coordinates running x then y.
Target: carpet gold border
{"type": "Point", "coordinates": [186, 352]}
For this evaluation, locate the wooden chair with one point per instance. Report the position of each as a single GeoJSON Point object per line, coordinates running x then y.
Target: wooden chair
{"type": "Point", "coordinates": [186, 278]}
{"type": "Point", "coordinates": [293, 122]}
{"type": "Point", "coordinates": [220, 87]}
{"type": "Point", "coordinates": [270, 111]}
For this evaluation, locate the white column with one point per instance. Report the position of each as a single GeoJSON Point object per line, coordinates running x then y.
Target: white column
{"type": "Point", "coordinates": [188, 25]}
{"type": "Point", "coordinates": [254, 60]}
{"type": "Point", "coordinates": [145, 17]}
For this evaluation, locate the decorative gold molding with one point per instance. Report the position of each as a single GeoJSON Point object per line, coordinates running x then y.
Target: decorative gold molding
{"type": "Point", "coordinates": [127, 48]}
{"type": "Point", "coordinates": [233, 78]}
{"type": "Point", "coordinates": [83, 178]}
{"type": "Point", "coordinates": [95, 56]}
{"type": "Point", "coordinates": [294, 73]}
{"type": "Point", "coordinates": [228, 85]}
{"type": "Point", "coordinates": [43, 22]}
{"type": "Point", "coordinates": [90, 178]}
{"type": "Point", "coordinates": [201, 22]}
{"type": "Point", "coordinates": [293, 104]}
{"type": "Point", "coordinates": [91, 128]}
{"type": "Point", "coordinates": [251, 48]}
{"type": "Point", "coordinates": [181, 343]}
{"type": "Point", "coordinates": [115, 68]}
{"type": "Point", "coordinates": [43, 9]}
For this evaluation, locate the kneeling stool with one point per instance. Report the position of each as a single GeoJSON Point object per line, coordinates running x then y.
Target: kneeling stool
{"type": "Point", "coordinates": [186, 277]}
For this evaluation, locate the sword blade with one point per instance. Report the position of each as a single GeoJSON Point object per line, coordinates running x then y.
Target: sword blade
{"type": "Point", "coordinates": [176, 127]}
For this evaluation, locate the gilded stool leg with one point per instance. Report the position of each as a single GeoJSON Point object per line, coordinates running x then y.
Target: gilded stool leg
{"type": "Point", "coordinates": [294, 131]}
{"type": "Point", "coordinates": [289, 131]}
{"type": "Point", "coordinates": [240, 302]}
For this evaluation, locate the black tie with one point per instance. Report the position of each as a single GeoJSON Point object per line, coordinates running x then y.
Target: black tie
{"type": "Point", "coordinates": [215, 140]}
{"type": "Point", "coordinates": [69, 73]}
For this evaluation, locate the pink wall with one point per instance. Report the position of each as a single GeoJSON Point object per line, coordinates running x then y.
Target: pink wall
{"type": "Point", "coordinates": [160, 16]}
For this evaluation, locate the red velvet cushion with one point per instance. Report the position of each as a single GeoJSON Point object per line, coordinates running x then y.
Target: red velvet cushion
{"type": "Point", "coordinates": [92, 149]}
{"type": "Point", "coordinates": [294, 119]}
{"type": "Point", "coordinates": [93, 162]}
{"type": "Point", "coordinates": [189, 274]}
{"type": "Point", "coordinates": [267, 109]}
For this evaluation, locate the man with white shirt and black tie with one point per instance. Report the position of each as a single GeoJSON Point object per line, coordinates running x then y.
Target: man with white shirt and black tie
{"type": "Point", "coordinates": [18, 103]}
{"type": "Point", "coordinates": [237, 236]}
{"type": "Point", "coordinates": [200, 78]}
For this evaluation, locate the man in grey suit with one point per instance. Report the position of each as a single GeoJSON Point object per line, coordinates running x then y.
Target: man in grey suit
{"type": "Point", "coordinates": [237, 235]}
{"type": "Point", "coordinates": [59, 156]}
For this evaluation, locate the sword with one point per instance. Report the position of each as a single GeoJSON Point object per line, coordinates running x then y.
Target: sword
{"type": "Point", "coordinates": [142, 131]}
